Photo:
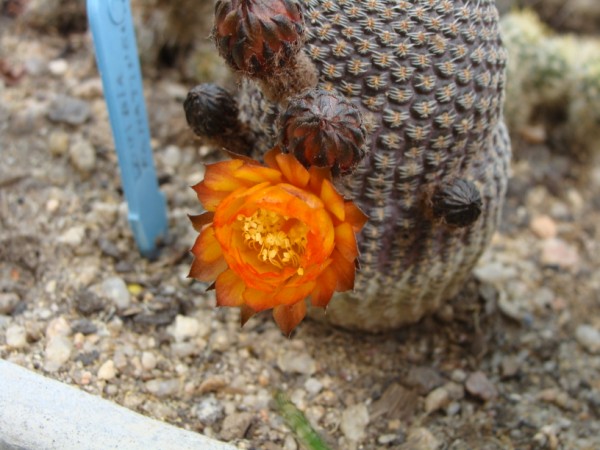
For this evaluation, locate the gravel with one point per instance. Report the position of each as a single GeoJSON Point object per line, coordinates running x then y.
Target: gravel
{"type": "Point", "coordinates": [511, 363]}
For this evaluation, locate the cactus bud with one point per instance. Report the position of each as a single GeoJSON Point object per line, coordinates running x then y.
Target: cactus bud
{"type": "Point", "coordinates": [458, 204]}
{"type": "Point", "coordinates": [323, 129]}
{"type": "Point", "coordinates": [258, 37]}
{"type": "Point", "coordinates": [212, 113]}
{"type": "Point", "coordinates": [210, 110]}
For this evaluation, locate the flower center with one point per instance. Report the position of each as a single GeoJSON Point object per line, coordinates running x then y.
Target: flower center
{"type": "Point", "coordinates": [277, 239]}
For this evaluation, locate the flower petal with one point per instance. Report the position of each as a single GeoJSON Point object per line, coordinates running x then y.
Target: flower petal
{"type": "Point", "coordinates": [229, 289]}
{"type": "Point", "coordinates": [324, 288]}
{"type": "Point", "coordinates": [245, 314]}
{"type": "Point", "coordinates": [209, 261]}
{"type": "Point", "coordinates": [208, 198]}
{"type": "Point", "coordinates": [354, 216]}
{"type": "Point", "coordinates": [200, 220]}
{"type": "Point", "coordinates": [220, 176]}
{"type": "Point", "coordinates": [258, 300]}
{"type": "Point", "coordinates": [345, 241]}
{"type": "Point", "coordinates": [288, 317]}
{"type": "Point", "coordinates": [292, 170]}
{"type": "Point", "coordinates": [270, 157]}
{"type": "Point", "coordinates": [288, 295]}
{"type": "Point", "coordinates": [258, 174]}
{"type": "Point", "coordinates": [345, 271]}
{"type": "Point", "coordinates": [333, 200]}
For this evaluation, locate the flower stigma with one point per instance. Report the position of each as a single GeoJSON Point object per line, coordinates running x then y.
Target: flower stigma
{"type": "Point", "coordinates": [277, 239]}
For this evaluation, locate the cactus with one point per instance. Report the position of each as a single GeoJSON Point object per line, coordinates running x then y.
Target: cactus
{"type": "Point", "coordinates": [427, 76]}
{"type": "Point", "coordinates": [556, 74]}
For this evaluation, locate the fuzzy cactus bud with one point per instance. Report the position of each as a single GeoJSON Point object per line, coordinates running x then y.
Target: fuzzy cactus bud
{"type": "Point", "coordinates": [258, 37]}
{"type": "Point", "coordinates": [210, 110]}
{"type": "Point", "coordinates": [458, 204]}
{"type": "Point", "coordinates": [323, 129]}
{"type": "Point", "coordinates": [212, 114]}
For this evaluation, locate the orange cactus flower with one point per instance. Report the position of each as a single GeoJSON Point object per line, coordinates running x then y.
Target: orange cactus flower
{"type": "Point", "coordinates": [273, 236]}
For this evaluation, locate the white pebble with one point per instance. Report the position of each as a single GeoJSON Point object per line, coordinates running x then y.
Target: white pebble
{"type": "Point", "coordinates": [73, 236]}
{"type": "Point", "coordinates": [588, 337]}
{"type": "Point", "coordinates": [16, 336]}
{"type": "Point", "coordinates": [354, 422]}
{"type": "Point", "coordinates": [172, 156]}
{"type": "Point", "coordinates": [57, 352]}
{"type": "Point", "coordinates": [184, 328]}
{"type": "Point", "coordinates": [83, 155]}
{"type": "Point", "coordinates": [58, 67]}
{"type": "Point", "coordinates": [313, 386]}
{"type": "Point", "coordinates": [107, 371]}
{"type": "Point", "coordinates": [296, 361]}
{"type": "Point", "coordinates": [115, 289]}
{"type": "Point", "coordinates": [58, 327]}
{"type": "Point", "coordinates": [163, 388]}
{"type": "Point", "coordinates": [148, 360]}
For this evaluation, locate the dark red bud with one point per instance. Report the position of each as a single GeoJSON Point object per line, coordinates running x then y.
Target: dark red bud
{"type": "Point", "coordinates": [258, 37]}
{"type": "Point", "coordinates": [323, 129]}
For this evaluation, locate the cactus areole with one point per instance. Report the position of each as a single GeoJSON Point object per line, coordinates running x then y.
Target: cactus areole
{"type": "Point", "coordinates": [407, 114]}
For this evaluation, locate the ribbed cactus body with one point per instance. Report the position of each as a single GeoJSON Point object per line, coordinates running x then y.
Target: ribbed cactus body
{"type": "Point", "coordinates": [428, 77]}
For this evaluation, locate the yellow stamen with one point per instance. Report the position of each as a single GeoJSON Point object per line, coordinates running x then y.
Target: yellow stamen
{"type": "Point", "coordinates": [276, 239]}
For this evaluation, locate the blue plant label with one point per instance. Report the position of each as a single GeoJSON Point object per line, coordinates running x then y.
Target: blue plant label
{"type": "Point", "coordinates": [117, 57]}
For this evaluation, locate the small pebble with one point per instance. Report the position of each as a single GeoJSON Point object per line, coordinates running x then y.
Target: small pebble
{"type": "Point", "coordinates": [543, 226]}
{"type": "Point", "coordinates": [88, 89]}
{"type": "Point", "coordinates": [209, 411]}
{"type": "Point", "coordinates": [313, 386]}
{"type": "Point", "coordinates": [73, 237]}
{"type": "Point", "coordinates": [58, 143]}
{"type": "Point", "coordinates": [69, 110]}
{"type": "Point", "coordinates": [290, 443]}
{"type": "Point", "coordinates": [115, 289]}
{"type": "Point", "coordinates": [8, 302]}
{"type": "Point", "coordinates": [495, 272]}
{"type": "Point", "coordinates": [148, 361]}
{"type": "Point", "coordinates": [420, 438]}
{"type": "Point", "coordinates": [436, 400]}
{"type": "Point", "coordinates": [107, 371]}
{"type": "Point", "coordinates": [588, 337]}
{"type": "Point", "coordinates": [220, 341]}
{"type": "Point", "coordinates": [52, 205]}
{"type": "Point", "coordinates": [58, 67]}
{"type": "Point", "coordinates": [478, 385]}
{"type": "Point", "coordinates": [184, 328]}
{"type": "Point", "coordinates": [83, 155]}
{"type": "Point", "coordinates": [172, 156]}
{"type": "Point", "coordinates": [58, 327]}
{"type": "Point", "coordinates": [293, 361]}
{"type": "Point", "coordinates": [185, 349]}
{"type": "Point", "coordinates": [57, 352]}
{"type": "Point", "coordinates": [354, 422]}
{"type": "Point", "coordinates": [556, 252]}
{"type": "Point", "coordinates": [163, 388]}
{"type": "Point", "coordinates": [423, 379]}
{"type": "Point", "coordinates": [16, 336]}
{"type": "Point", "coordinates": [236, 425]}
{"type": "Point", "coordinates": [84, 326]}
{"type": "Point", "coordinates": [87, 302]}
